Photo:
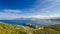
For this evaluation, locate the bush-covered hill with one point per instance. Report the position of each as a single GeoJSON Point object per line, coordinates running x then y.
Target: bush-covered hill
{"type": "Point", "coordinates": [19, 29]}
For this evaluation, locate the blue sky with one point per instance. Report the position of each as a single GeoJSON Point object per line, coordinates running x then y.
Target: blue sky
{"type": "Point", "coordinates": [12, 9]}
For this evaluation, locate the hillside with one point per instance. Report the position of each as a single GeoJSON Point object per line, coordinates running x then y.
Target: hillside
{"type": "Point", "coordinates": [19, 29]}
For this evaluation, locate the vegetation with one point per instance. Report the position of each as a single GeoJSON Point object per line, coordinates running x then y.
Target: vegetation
{"type": "Point", "coordinates": [19, 29]}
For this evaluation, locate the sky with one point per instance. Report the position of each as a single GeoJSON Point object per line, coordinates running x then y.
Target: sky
{"type": "Point", "coordinates": [12, 9]}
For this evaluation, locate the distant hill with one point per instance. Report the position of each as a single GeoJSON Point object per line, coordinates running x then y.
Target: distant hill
{"type": "Point", "coordinates": [40, 19]}
{"type": "Point", "coordinates": [18, 29]}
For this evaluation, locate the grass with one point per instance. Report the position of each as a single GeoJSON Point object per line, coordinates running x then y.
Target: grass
{"type": "Point", "coordinates": [19, 29]}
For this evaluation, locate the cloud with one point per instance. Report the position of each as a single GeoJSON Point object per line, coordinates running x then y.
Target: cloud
{"type": "Point", "coordinates": [41, 9]}
{"type": "Point", "coordinates": [46, 7]}
{"type": "Point", "coordinates": [8, 14]}
{"type": "Point", "coordinates": [45, 16]}
{"type": "Point", "coordinates": [11, 11]}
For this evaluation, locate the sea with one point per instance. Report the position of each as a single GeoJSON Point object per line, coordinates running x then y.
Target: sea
{"type": "Point", "coordinates": [24, 22]}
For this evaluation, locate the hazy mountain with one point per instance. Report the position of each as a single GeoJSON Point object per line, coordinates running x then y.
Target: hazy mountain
{"type": "Point", "coordinates": [40, 19]}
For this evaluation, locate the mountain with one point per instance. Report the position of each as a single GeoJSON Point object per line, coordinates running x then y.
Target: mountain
{"type": "Point", "coordinates": [40, 19]}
